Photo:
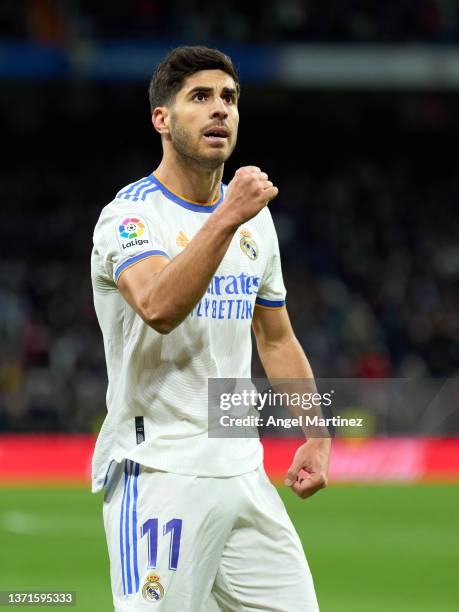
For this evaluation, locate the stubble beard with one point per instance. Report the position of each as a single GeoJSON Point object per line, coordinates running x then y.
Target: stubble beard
{"type": "Point", "coordinates": [182, 143]}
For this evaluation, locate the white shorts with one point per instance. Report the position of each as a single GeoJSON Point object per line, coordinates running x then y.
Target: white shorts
{"type": "Point", "coordinates": [192, 544]}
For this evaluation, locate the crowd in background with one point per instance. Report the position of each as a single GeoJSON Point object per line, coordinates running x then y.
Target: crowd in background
{"type": "Point", "coordinates": [368, 241]}
{"type": "Point", "coordinates": [236, 21]}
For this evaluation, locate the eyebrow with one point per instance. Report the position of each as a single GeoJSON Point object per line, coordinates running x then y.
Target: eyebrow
{"type": "Point", "coordinates": [225, 90]}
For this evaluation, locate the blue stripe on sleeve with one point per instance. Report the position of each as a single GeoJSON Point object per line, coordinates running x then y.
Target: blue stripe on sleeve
{"type": "Point", "coordinates": [135, 259]}
{"type": "Point", "coordinates": [270, 303]}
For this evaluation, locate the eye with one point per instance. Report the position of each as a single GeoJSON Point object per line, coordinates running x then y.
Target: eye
{"type": "Point", "coordinates": [200, 96]}
{"type": "Point", "coordinates": [229, 98]}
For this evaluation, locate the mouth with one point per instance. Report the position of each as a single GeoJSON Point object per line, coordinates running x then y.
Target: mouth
{"type": "Point", "coordinates": [216, 134]}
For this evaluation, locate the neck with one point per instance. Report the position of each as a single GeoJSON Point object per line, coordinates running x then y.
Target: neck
{"type": "Point", "coordinates": [189, 180]}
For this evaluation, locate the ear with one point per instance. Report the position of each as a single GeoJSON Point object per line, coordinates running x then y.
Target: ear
{"type": "Point", "coordinates": [160, 119]}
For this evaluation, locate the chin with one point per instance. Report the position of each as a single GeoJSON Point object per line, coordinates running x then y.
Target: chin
{"type": "Point", "coordinates": [215, 160]}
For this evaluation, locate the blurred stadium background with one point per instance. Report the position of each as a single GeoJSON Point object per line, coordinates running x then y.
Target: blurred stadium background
{"type": "Point", "coordinates": [352, 107]}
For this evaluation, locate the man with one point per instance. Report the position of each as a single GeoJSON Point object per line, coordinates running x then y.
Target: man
{"type": "Point", "coordinates": [182, 266]}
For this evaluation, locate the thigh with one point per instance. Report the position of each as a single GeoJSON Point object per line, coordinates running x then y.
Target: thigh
{"type": "Point", "coordinates": [165, 536]}
{"type": "Point", "coordinates": [263, 566]}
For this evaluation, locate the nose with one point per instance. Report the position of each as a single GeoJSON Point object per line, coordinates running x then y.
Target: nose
{"type": "Point", "coordinates": [219, 109]}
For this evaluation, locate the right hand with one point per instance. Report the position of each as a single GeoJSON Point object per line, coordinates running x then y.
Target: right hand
{"type": "Point", "coordinates": [248, 192]}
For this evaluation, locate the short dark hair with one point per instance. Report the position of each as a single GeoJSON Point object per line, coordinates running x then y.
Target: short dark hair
{"type": "Point", "coordinates": [181, 63]}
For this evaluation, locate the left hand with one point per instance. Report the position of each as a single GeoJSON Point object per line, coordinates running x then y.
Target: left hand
{"type": "Point", "coordinates": [309, 470]}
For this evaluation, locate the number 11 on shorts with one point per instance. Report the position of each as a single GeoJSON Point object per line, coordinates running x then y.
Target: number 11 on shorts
{"type": "Point", "coordinates": [150, 528]}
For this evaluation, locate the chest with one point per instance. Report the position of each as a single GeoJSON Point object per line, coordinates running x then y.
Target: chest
{"type": "Point", "coordinates": [245, 259]}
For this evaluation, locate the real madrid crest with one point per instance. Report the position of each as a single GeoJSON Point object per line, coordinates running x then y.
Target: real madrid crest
{"type": "Point", "coordinates": [153, 590]}
{"type": "Point", "coordinates": [248, 244]}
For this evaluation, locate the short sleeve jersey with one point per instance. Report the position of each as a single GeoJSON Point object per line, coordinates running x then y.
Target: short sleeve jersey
{"type": "Point", "coordinates": [162, 379]}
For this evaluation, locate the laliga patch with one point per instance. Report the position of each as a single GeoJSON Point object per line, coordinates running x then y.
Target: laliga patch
{"type": "Point", "coordinates": [132, 232]}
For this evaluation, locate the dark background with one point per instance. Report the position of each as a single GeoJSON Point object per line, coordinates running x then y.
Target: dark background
{"type": "Point", "coordinates": [366, 216]}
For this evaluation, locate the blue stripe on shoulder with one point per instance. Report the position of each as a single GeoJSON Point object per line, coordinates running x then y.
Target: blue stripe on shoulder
{"type": "Point", "coordinates": [139, 191]}
{"type": "Point", "coordinates": [133, 186]}
{"type": "Point", "coordinates": [133, 189]}
{"type": "Point", "coordinates": [145, 192]}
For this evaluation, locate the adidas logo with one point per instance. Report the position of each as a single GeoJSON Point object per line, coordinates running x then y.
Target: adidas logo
{"type": "Point", "coordinates": [181, 239]}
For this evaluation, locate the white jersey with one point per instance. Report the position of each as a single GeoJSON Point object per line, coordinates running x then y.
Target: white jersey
{"type": "Point", "coordinates": [157, 384]}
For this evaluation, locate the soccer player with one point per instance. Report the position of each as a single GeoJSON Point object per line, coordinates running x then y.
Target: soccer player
{"type": "Point", "coordinates": [182, 267]}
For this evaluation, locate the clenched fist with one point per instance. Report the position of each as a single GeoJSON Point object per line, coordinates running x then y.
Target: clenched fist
{"type": "Point", "coordinates": [249, 191]}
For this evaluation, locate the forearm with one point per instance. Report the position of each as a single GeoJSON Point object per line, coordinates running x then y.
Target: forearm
{"type": "Point", "coordinates": [176, 289]}
{"type": "Point", "coordinates": [284, 362]}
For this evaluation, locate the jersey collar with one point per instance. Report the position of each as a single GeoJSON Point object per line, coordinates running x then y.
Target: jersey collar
{"type": "Point", "coordinates": [195, 206]}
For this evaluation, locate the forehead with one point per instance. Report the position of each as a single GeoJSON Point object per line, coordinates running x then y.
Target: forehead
{"type": "Point", "coordinates": [216, 79]}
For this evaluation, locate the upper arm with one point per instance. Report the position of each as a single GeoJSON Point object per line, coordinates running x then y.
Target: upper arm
{"type": "Point", "coordinates": [135, 283]}
{"type": "Point", "coordinates": [131, 252]}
